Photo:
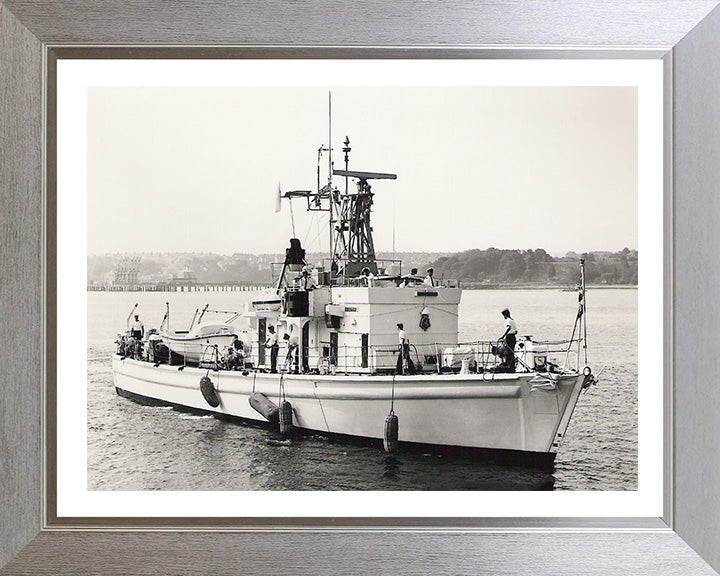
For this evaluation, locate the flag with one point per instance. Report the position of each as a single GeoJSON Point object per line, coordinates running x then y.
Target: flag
{"type": "Point", "coordinates": [277, 200]}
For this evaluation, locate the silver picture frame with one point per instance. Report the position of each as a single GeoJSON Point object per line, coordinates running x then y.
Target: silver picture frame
{"type": "Point", "coordinates": [684, 34]}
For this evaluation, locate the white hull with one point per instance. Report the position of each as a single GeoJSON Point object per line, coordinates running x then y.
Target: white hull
{"type": "Point", "coordinates": [504, 411]}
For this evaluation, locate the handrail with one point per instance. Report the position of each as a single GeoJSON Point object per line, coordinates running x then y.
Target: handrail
{"type": "Point", "coordinates": [384, 275]}
{"type": "Point", "coordinates": [480, 355]}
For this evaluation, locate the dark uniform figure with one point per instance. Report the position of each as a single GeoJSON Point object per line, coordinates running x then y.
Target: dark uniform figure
{"type": "Point", "coordinates": [404, 353]}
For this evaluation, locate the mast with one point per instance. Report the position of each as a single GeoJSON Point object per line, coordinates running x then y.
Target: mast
{"type": "Point", "coordinates": [584, 306]}
{"type": "Point", "coordinates": [331, 220]}
{"type": "Point", "coordinates": [346, 149]}
{"type": "Point", "coordinates": [330, 163]}
{"type": "Point", "coordinates": [351, 242]}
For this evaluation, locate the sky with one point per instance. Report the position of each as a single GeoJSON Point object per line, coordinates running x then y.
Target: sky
{"type": "Point", "coordinates": [196, 169]}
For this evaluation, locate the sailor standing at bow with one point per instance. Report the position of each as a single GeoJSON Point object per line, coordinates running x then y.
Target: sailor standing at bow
{"type": "Point", "coordinates": [137, 328]}
{"type": "Point", "coordinates": [510, 338]}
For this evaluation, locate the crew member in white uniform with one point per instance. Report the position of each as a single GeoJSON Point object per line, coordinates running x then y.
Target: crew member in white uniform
{"type": "Point", "coordinates": [293, 344]}
{"type": "Point", "coordinates": [137, 329]}
{"type": "Point", "coordinates": [510, 338]}
{"type": "Point", "coordinates": [429, 280]}
{"type": "Point", "coordinates": [271, 342]}
{"type": "Point", "coordinates": [412, 279]}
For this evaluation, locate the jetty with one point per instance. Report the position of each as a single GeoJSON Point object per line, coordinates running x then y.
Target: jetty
{"type": "Point", "coordinates": [170, 286]}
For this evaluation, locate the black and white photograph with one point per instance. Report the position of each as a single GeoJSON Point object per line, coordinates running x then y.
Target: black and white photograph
{"type": "Point", "coordinates": [410, 314]}
{"type": "Point", "coordinates": [362, 288]}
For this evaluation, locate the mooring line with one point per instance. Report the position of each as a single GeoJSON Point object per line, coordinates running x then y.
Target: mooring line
{"type": "Point", "coordinates": [321, 406]}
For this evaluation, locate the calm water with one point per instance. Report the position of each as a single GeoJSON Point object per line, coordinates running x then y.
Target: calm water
{"type": "Point", "coordinates": [134, 447]}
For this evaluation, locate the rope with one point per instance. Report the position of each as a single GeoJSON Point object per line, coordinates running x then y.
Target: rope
{"type": "Point", "coordinates": [307, 232]}
{"type": "Point", "coordinates": [317, 236]}
{"type": "Point", "coordinates": [292, 218]}
{"type": "Point", "coordinates": [318, 233]}
{"type": "Point", "coordinates": [283, 370]}
{"type": "Point", "coordinates": [555, 342]}
{"type": "Point", "coordinates": [392, 396]}
{"type": "Point", "coordinates": [438, 309]}
{"type": "Point", "coordinates": [281, 390]}
{"type": "Point", "coordinates": [417, 355]}
{"type": "Point", "coordinates": [567, 354]}
{"type": "Point", "coordinates": [376, 314]}
{"type": "Point", "coordinates": [321, 406]}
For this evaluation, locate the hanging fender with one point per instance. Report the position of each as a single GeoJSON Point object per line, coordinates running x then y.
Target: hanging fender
{"type": "Point", "coordinates": [286, 418]}
{"type": "Point", "coordinates": [261, 404]}
{"type": "Point", "coordinates": [390, 436]}
{"type": "Point", "coordinates": [207, 388]}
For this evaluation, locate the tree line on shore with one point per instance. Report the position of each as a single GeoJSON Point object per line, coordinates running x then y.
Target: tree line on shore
{"type": "Point", "coordinates": [474, 267]}
{"type": "Point", "coordinates": [494, 266]}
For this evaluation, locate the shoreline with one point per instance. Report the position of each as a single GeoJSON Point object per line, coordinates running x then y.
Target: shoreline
{"type": "Point", "coordinates": [471, 286]}
{"type": "Point", "coordinates": [464, 286]}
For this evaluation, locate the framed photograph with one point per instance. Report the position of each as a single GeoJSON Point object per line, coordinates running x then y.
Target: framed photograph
{"type": "Point", "coordinates": [321, 286]}
{"type": "Point", "coordinates": [435, 292]}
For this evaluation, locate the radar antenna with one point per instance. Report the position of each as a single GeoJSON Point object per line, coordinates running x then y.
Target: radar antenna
{"type": "Point", "coordinates": [351, 241]}
{"type": "Point", "coordinates": [354, 241]}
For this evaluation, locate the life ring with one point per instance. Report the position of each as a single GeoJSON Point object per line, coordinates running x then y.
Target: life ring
{"type": "Point", "coordinates": [208, 391]}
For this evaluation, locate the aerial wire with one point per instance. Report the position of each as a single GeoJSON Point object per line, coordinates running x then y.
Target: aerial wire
{"type": "Point", "coordinates": [393, 226]}
{"type": "Point", "coordinates": [292, 217]}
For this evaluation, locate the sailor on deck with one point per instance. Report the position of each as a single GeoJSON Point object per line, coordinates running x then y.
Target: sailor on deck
{"type": "Point", "coordinates": [368, 277]}
{"type": "Point", "coordinates": [510, 337]}
{"type": "Point", "coordinates": [271, 342]}
{"type": "Point", "coordinates": [429, 280]}
{"type": "Point", "coordinates": [404, 353]}
{"type": "Point", "coordinates": [238, 345]}
{"type": "Point", "coordinates": [293, 344]}
{"type": "Point", "coordinates": [412, 279]}
{"type": "Point", "coordinates": [137, 329]}
{"type": "Point", "coordinates": [307, 278]}
{"type": "Point", "coordinates": [236, 354]}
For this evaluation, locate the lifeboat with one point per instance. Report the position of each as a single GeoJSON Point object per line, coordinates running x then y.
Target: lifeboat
{"type": "Point", "coordinates": [192, 344]}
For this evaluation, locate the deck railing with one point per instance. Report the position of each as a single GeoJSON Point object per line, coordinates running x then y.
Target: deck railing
{"type": "Point", "coordinates": [465, 357]}
{"type": "Point", "coordinates": [477, 356]}
{"type": "Point", "coordinates": [348, 273]}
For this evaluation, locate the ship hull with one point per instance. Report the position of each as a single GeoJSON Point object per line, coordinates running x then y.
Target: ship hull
{"type": "Point", "coordinates": [508, 413]}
